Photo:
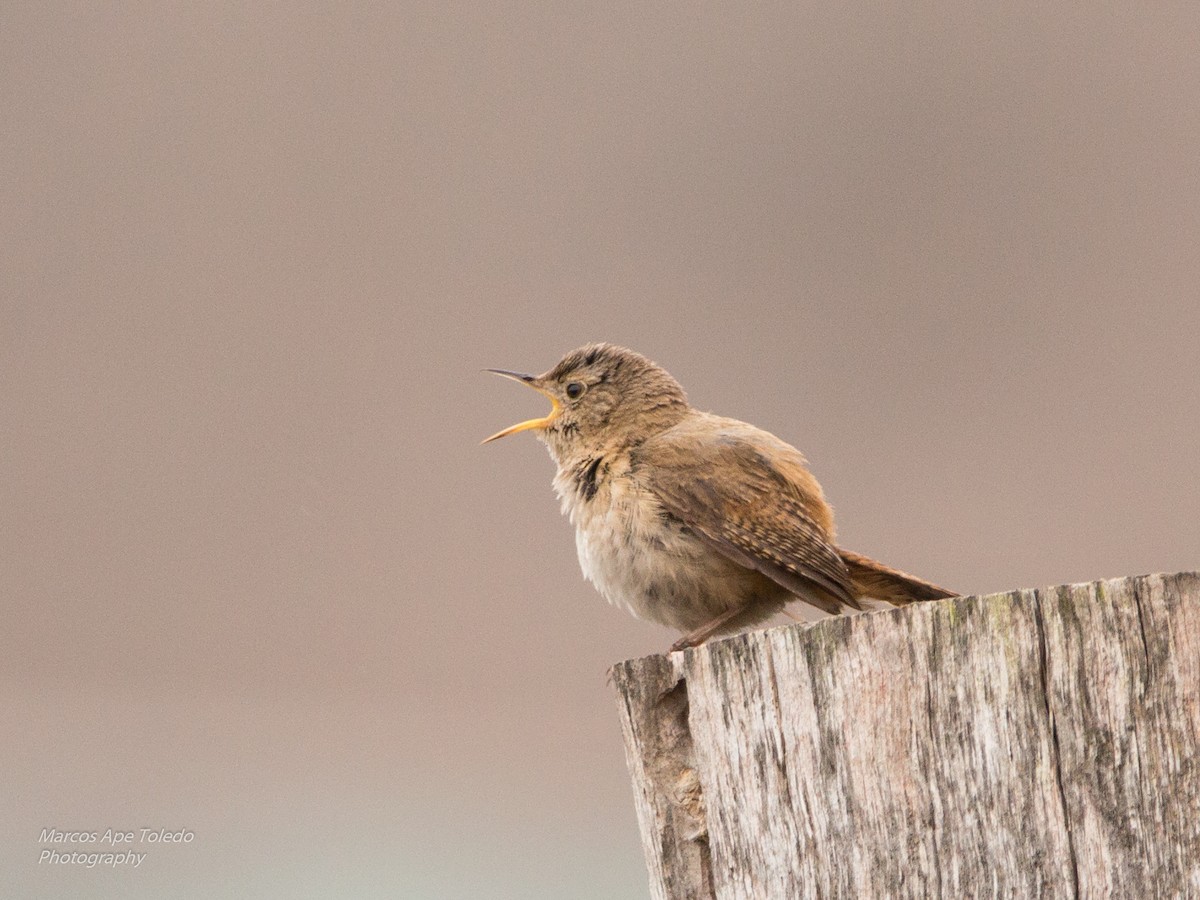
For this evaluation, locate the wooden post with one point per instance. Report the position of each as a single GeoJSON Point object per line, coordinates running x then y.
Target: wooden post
{"type": "Point", "coordinates": [1039, 743]}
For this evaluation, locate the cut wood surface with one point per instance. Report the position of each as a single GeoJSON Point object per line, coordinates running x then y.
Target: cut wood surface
{"type": "Point", "coordinates": [1037, 743]}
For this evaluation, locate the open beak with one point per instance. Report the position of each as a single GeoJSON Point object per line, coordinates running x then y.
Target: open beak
{"type": "Point", "coordinates": [530, 424]}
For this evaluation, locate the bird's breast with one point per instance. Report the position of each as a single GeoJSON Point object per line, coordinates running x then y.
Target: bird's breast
{"type": "Point", "coordinates": [637, 555]}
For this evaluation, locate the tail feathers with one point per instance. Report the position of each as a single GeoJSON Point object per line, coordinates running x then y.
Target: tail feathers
{"type": "Point", "coordinates": [880, 582]}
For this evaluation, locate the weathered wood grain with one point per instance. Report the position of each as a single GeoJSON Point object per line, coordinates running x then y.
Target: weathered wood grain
{"type": "Point", "coordinates": [658, 743]}
{"type": "Point", "coordinates": [1028, 744]}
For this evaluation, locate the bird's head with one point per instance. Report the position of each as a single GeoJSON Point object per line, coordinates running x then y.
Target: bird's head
{"type": "Point", "coordinates": [602, 396]}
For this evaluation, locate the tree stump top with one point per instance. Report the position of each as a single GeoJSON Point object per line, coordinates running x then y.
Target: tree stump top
{"type": "Point", "coordinates": [1041, 743]}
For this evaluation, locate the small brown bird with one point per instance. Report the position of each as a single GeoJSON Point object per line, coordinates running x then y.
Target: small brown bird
{"type": "Point", "coordinates": [698, 522]}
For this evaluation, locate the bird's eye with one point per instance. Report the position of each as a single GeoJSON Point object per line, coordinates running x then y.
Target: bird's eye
{"type": "Point", "coordinates": [575, 389]}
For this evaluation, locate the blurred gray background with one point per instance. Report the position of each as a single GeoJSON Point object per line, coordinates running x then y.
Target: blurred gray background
{"type": "Point", "coordinates": [260, 580]}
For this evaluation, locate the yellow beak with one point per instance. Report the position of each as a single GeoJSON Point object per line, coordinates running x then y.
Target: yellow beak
{"type": "Point", "coordinates": [529, 424]}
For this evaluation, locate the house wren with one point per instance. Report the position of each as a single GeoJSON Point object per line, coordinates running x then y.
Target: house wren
{"type": "Point", "coordinates": [698, 522]}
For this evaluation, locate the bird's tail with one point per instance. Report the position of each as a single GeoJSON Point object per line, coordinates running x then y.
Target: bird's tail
{"type": "Point", "coordinates": [877, 581]}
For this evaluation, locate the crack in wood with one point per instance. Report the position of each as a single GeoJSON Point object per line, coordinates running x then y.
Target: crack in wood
{"type": "Point", "coordinates": [1056, 759]}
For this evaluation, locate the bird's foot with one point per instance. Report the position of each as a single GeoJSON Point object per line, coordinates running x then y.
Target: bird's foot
{"type": "Point", "coordinates": [698, 636]}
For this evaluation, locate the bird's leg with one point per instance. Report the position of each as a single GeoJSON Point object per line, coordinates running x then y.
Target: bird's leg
{"type": "Point", "coordinates": [698, 636]}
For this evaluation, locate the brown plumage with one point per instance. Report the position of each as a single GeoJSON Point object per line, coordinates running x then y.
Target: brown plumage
{"type": "Point", "coordinates": [699, 522]}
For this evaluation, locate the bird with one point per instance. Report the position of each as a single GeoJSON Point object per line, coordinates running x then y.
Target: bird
{"type": "Point", "coordinates": [702, 523]}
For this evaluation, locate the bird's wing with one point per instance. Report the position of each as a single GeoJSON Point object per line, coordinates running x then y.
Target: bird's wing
{"type": "Point", "coordinates": [749, 496]}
